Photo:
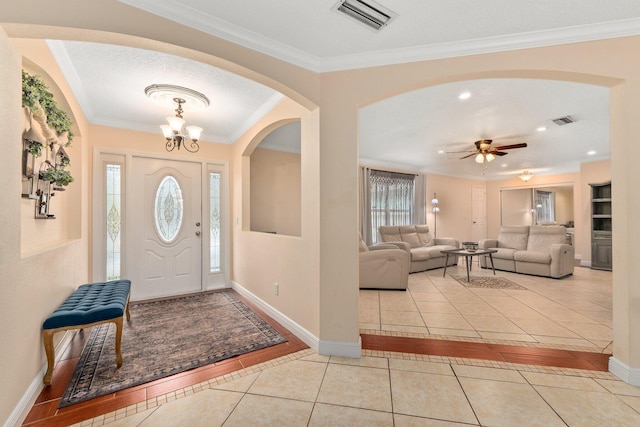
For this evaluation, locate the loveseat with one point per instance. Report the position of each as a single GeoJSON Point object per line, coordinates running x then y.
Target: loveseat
{"type": "Point", "coordinates": [383, 266]}
{"type": "Point", "coordinates": [424, 249]}
{"type": "Point", "coordinates": [538, 250]}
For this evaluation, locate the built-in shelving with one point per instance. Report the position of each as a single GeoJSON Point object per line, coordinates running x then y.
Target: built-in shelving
{"type": "Point", "coordinates": [601, 226]}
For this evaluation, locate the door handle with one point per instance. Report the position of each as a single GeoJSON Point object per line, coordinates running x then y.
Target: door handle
{"type": "Point", "coordinates": [197, 233]}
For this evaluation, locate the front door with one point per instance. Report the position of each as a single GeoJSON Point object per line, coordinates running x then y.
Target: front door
{"type": "Point", "coordinates": [478, 213]}
{"type": "Point", "coordinates": [166, 232]}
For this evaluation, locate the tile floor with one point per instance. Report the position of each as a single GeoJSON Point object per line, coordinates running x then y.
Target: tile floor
{"type": "Point", "coordinates": [572, 312]}
{"type": "Point", "coordinates": [306, 389]}
{"type": "Point", "coordinates": [389, 388]}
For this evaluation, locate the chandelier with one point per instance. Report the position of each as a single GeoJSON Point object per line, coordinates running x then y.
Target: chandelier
{"type": "Point", "coordinates": [525, 176]}
{"type": "Point", "coordinates": [168, 95]}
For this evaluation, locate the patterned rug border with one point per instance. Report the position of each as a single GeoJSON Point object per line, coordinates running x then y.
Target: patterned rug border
{"type": "Point", "coordinates": [488, 282]}
{"type": "Point", "coordinates": [79, 386]}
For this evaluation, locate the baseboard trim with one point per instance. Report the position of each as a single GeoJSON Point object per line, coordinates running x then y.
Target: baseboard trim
{"type": "Point", "coordinates": [584, 263]}
{"type": "Point", "coordinates": [307, 337]}
{"type": "Point", "coordinates": [624, 372]}
{"type": "Point", "coordinates": [340, 348]}
{"type": "Point", "coordinates": [20, 412]}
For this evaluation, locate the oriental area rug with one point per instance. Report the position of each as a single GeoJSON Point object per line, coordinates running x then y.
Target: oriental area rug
{"type": "Point", "coordinates": [165, 337]}
{"type": "Point", "coordinates": [489, 282]}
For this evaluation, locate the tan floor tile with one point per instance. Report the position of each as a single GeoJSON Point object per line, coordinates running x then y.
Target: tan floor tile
{"type": "Point", "coordinates": [563, 381]}
{"type": "Point", "coordinates": [336, 416]}
{"type": "Point", "coordinates": [268, 411]}
{"type": "Point", "coordinates": [481, 309]}
{"type": "Point", "coordinates": [206, 408]}
{"type": "Point", "coordinates": [369, 315]}
{"type": "Point", "coordinates": [619, 387]}
{"type": "Point", "coordinates": [420, 366]}
{"type": "Point", "coordinates": [507, 337]}
{"type": "Point", "coordinates": [588, 408]}
{"type": "Point", "coordinates": [565, 315]}
{"type": "Point", "coordinates": [590, 331]}
{"type": "Point", "coordinates": [543, 327]}
{"type": "Point", "coordinates": [579, 342]}
{"type": "Point", "coordinates": [240, 385]}
{"type": "Point", "coordinates": [499, 403]}
{"type": "Point", "coordinates": [409, 318]}
{"type": "Point", "coordinates": [398, 305]}
{"type": "Point", "coordinates": [294, 380]}
{"type": "Point", "coordinates": [469, 333]}
{"type": "Point", "coordinates": [355, 386]}
{"type": "Point", "coordinates": [372, 326]}
{"type": "Point", "coordinates": [429, 395]}
{"type": "Point", "coordinates": [492, 324]}
{"type": "Point", "coordinates": [132, 420]}
{"type": "Point", "coordinates": [436, 307]}
{"type": "Point", "coordinates": [408, 421]}
{"type": "Point", "coordinates": [496, 374]}
{"type": "Point", "coordinates": [445, 320]}
{"type": "Point", "coordinates": [369, 362]}
{"type": "Point", "coordinates": [403, 329]}
{"type": "Point", "coordinates": [632, 401]}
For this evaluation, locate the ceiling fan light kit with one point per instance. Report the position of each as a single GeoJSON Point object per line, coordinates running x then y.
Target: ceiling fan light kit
{"type": "Point", "coordinates": [166, 95]}
{"type": "Point", "coordinates": [485, 154]}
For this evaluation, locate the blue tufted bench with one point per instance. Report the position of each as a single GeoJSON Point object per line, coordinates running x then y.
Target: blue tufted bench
{"type": "Point", "coordinates": [89, 305]}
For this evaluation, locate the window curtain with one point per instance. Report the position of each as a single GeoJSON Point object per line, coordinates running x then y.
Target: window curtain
{"type": "Point", "coordinates": [386, 198]}
{"type": "Point", "coordinates": [545, 206]}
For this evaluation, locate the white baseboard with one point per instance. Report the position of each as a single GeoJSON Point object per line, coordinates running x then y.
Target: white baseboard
{"type": "Point", "coordinates": [339, 348]}
{"type": "Point", "coordinates": [330, 348]}
{"type": "Point", "coordinates": [20, 412]}
{"type": "Point", "coordinates": [624, 372]}
{"type": "Point", "coordinates": [584, 263]}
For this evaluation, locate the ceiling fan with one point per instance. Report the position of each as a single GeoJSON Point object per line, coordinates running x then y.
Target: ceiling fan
{"type": "Point", "coordinates": [485, 153]}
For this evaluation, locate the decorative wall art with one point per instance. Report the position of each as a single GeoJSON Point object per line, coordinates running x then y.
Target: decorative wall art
{"type": "Point", "coordinates": [44, 159]}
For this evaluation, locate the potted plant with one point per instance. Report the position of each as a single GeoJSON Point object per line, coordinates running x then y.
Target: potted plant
{"type": "Point", "coordinates": [36, 96]}
{"type": "Point", "coordinates": [59, 177]}
{"type": "Point", "coordinates": [35, 148]}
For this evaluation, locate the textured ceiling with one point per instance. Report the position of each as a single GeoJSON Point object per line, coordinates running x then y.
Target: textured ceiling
{"type": "Point", "coordinates": [405, 131]}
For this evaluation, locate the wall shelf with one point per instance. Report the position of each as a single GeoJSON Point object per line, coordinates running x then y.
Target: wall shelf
{"type": "Point", "coordinates": [601, 226]}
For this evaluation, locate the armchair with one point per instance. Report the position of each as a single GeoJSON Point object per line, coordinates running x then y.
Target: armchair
{"type": "Point", "coordinates": [383, 266]}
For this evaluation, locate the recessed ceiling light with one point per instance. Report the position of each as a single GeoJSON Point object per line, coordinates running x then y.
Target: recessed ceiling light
{"type": "Point", "coordinates": [504, 165]}
{"type": "Point", "coordinates": [541, 129]}
{"type": "Point", "coordinates": [440, 151]}
{"type": "Point", "coordinates": [464, 95]}
{"type": "Point", "coordinates": [591, 153]}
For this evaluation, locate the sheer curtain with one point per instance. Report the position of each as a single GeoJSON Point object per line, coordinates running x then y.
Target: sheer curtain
{"type": "Point", "coordinates": [386, 198]}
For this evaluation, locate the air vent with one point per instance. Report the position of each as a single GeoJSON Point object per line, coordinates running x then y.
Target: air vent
{"type": "Point", "coordinates": [561, 121]}
{"type": "Point", "coordinates": [368, 13]}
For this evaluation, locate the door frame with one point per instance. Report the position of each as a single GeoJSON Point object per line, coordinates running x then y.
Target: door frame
{"type": "Point", "coordinates": [97, 216]}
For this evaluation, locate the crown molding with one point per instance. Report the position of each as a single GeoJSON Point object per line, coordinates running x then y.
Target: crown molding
{"type": "Point", "coordinates": [211, 25]}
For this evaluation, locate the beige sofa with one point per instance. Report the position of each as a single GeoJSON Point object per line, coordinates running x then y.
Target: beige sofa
{"type": "Point", "coordinates": [383, 267]}
{"type": "Point", "coordinates": [424, 249]}
{"type": "Point", "coordinates": [537, 250]}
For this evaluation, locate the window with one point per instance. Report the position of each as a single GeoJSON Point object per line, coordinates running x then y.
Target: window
{"type": "Point", "coordinates": [214, 222]}
{"type": "Point", "coordinates": [545, 207]}
{"type": "Point", "coordinates": [113, 220]}
{"type": "Point", "coordinates": [168, 209]}
{"type": "Point", "coordinates": [392, 199]}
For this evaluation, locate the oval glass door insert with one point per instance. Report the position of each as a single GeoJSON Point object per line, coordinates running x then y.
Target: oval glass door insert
{"type": "Point", "coordinates": [168, 209]}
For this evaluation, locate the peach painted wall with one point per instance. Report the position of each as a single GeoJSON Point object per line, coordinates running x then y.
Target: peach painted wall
{"type": "Point", "coordinates": [454, 197]}
{"type": "Point", "coordinates": [41, 261]}
{"type": "Point", "coordinates": [330, 297]}
{"type": "Point", "coordinates": [275, 192]}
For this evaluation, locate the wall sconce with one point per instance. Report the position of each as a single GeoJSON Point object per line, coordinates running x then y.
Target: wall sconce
{"type": "Point", "coordinates": [435, 209]}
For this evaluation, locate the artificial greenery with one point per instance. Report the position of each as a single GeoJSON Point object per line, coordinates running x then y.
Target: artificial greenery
{"type": "Point", "coordinates": [35, 148]}
{"type": "Point", "coordinates": [58, 176]}
{"type": "Point", "coordinates": [35, 92]}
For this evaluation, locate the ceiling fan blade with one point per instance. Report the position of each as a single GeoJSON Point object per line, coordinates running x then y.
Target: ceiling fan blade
{"type": "Point", "coordinates": [472, 154]}
{"type": "Point", "coordinates": [499, 153]}
{"type": "Point", "coordinates": [508, 147]}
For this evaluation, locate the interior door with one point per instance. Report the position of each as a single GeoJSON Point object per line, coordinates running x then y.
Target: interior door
{"type": "Point", "coordinates": [478, 213]}
{"type": "Point", "coordinates": [166, 256]}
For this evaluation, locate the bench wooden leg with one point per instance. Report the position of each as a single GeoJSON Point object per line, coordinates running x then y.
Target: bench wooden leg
{"type": "Point", "coordinates": [119, 322]}
{"type": "Point", "coordinates": [48, 348]}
